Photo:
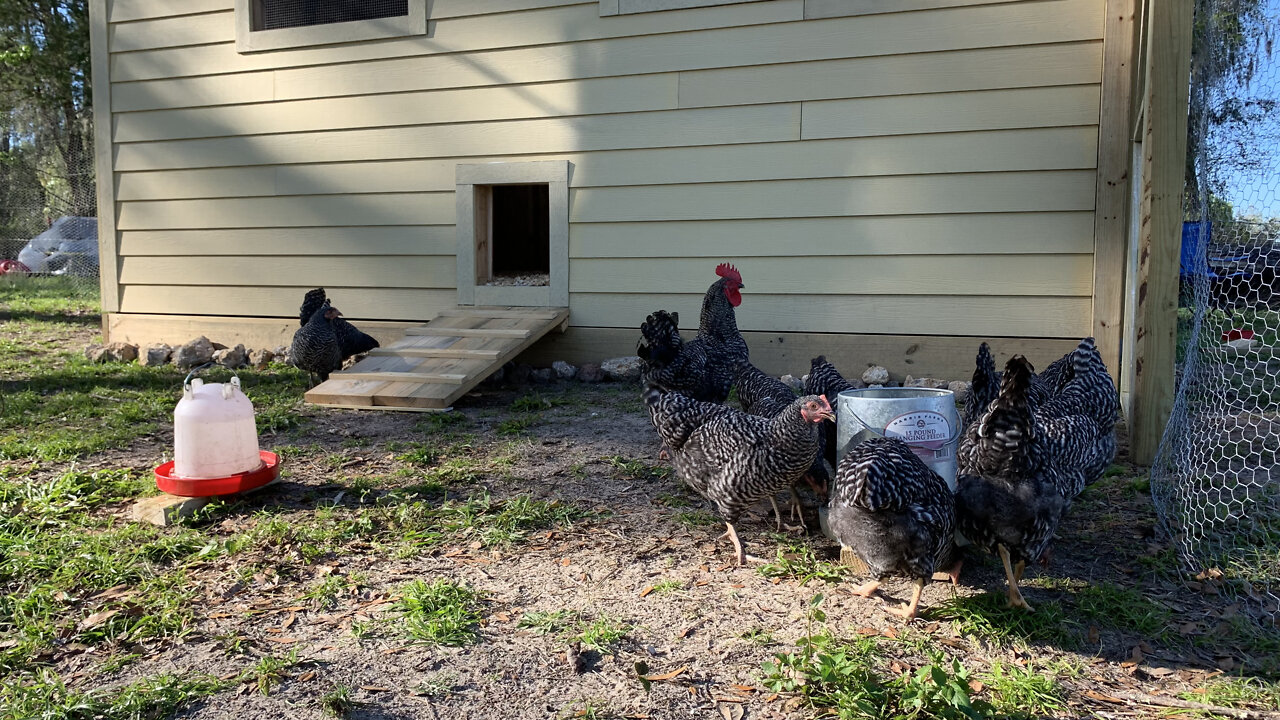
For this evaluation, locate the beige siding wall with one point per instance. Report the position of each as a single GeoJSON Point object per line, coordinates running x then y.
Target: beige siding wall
{"type": "Point", "coordinates": [914, 168]}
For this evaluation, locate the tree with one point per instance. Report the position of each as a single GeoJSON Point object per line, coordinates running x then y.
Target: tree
{"type": "Point", "coordinates": [45, 84]}
{"type": "Point", "coordinates": [1228, 39]}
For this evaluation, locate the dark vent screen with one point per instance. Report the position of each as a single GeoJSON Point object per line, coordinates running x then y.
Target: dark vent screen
{"type": "Point", "coordinates": [276, 14]}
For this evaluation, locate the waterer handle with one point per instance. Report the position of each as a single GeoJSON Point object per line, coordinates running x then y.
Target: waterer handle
{"type": "Point", "coordinates": [186, 383]}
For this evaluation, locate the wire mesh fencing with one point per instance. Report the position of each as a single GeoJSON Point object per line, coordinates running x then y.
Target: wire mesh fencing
{"type": "Point", "coordinates": [1215, 481]}
{"type": "Point", "coordinates": [48, 228]}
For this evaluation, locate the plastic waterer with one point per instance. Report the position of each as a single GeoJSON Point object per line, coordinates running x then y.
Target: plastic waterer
{"type": "Point", "coordinates": [214, 434]}
{"type": "Point", "coordinates": [215, 443]}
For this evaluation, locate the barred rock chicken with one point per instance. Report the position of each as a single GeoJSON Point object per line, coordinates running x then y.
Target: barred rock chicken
{"type": "Point", "coordinates": [766, 396]}
{"type": "Point", "coordinates": [733, 459]}
{"type": "Point", "coordinates": [315, 345]}
{"type": "Point", "coordinates": [350, 340]}
{"type": "Point", "coordinates": [825, 380]}
{"type": "Point", "coordinates": [1076, 407]}
{"type": "Point", "coordinates": [705, 367]}
{"type": "Point", "coordinates": [1010, 496]}
{"type": "Point", "coordinates": [895, 514]}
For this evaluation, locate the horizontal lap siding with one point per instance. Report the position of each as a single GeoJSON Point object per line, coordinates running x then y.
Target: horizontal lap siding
{"type": "Point", "coordinates": [881, 168]}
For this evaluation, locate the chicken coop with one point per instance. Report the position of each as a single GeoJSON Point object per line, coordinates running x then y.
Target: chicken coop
{"type": "Point", "coordinates": [896, 179]}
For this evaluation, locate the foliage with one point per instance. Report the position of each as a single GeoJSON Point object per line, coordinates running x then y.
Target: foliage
{"type": "Point", "coordinates": [440, 613]}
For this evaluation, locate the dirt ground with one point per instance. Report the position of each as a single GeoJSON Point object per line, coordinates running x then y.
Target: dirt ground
{"type": "Point", "coordinates": [645, 558]}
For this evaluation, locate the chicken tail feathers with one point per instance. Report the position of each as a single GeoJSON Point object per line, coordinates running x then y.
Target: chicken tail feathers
{"type": "Point", "coordinates": [311, 302]}
{"type": "Point", "coordinates": [660, 341]}
{"type": "Point", "coordinates": [1007, 433]}
{"type": "Point", "coordinates": [985, 385]}
{"type": "Point", "coordinates": [352, 340]}
{"type": "Point", "coordinates": [824, 379]}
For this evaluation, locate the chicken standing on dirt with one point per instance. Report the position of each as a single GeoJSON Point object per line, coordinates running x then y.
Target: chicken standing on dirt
{"type": "Point", "coordinates": [1011, 498]}
{"type": "Point", "coordinates": [351, 341]}
{"type": "Point", "coordinates": [894, 514]}
{"type": "Point", "coordinates": [315, 345]}
{"type": "Point", "coordinates": [705, 367]}
{"type": "Point", "coordinates": [765, 396]}
{"type": "Point", "coordinates": [733, 459]}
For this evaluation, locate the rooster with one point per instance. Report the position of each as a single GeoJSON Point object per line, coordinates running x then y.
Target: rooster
{"type": "Point", "coordinates": [765, 396]}
{"type": "Point", "coordinates": [351, 341]}
{"type": "Point", "coordinates": [895, 514]}
{"type": "Point", "coordinates": [705, 367]}
{"type": "Point", "coordinates": [733, 459]}
{"type": "Point", "coordinates": [315, 345]}
{"type": "Point", "coordinates": [1012, 494]}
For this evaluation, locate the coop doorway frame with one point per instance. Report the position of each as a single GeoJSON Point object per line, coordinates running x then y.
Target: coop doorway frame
{"type": "Point", "coordinates": [474, 225]}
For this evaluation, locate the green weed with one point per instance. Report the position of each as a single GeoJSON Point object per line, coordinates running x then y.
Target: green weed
{"type": "Point", "coordinates": [440, 613]}
{"type": "Point", "coordinates": [47, 697]}
{"type": "Point", "coordinates": [338, 702]}
{"type": "Point", "coordinates": [797, 561]}
{"type": "Point", "coordinates": [1237, 692]}
{"type": "Point", "coordinates": [1021, 692]}
{"type": "Point", "coordinates": [270, 671]}
{"type": "Point", "coordinates": [1123, 608]}
{"type": "Point", "coordinates": [987, 617]}
{"type": "Point", "coordinates": [604, 632]}
{"type": "Point", "coordinates": [547, 623]}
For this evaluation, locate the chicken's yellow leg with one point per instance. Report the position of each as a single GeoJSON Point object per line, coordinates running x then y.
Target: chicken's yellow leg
{"type": "Point", "coordinates": [1015, 595]}
{"type": "Point", "coordinates": [909, 611]}
{"type": "Point", "coordinates": [740, 555]}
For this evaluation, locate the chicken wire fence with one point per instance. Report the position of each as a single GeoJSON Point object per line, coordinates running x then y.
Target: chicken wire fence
{"type": "Point", "coordinates": [1215, 481]}
{"type": "Point", "coordinates": [48, 232]}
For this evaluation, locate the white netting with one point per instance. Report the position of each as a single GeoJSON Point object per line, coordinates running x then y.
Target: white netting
{"type": "Point", "coordinates": [1215, 480]}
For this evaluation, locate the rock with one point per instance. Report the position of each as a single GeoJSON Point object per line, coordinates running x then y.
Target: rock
{"type": "Point", "coordinates": [590, 373]}
{"type": "Point", "coordinates": [114, 352]}
{"type": "Point", "coordinates": [518, 373]}
{"type": "Point", "coordinates": [925, 382]}
{"type": "Point", "coordinates": [281, 353]}
{"type": "Point", "coordinates": [622, 369]}
{"type": "Point", "coordinates": [564, 370]}
{"type": "Point", "coordinates": [961, 390]}
{"type": "Point", "coordinates": [233, 358]}
{"type": "Point", "coordinates": [875, 385]}
{"type": "Point", "coordinates": [260, 359]}
{"type": "Point", "coordinates": [542, 375]}
{"type": "Point", "coordinates": [196, 352]}
{"type": "Point", "coordinates": [793, 382]}
{"type": "Point", "coordinates": [875, 375]}
{"type": "Point", "coordinates": [856, 384]}
{"type": "Point", "coordinates": [157, 356]}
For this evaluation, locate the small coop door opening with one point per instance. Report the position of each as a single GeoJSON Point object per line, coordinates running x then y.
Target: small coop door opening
{"type": "Point", "coordinates": [516, 249]}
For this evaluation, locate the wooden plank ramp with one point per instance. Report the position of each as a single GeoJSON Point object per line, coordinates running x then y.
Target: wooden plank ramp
{"type": "Point", "coordinates": [435, 364]}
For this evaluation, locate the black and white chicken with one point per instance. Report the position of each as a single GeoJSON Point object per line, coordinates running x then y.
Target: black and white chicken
{"type": "Point", "coordinates": [315, 345]}
{"type": "Point", "coordinates": [893, 512]}
{"type": "Point", "coordinates": [825, 380]}
{"type": "Point", "coordinates": [705, 367]}
{"type": "Point", "coordinates": [351, 341]}
{"type": "Point", "coordinates": [733, 459]}
{"type": "Point", "coordinates": [1011, 494]}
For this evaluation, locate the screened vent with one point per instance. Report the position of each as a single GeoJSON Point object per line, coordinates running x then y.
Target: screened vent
{"type": "Point", "coordinates": [277, 14]}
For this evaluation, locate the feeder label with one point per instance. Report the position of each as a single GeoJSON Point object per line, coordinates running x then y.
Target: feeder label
{"type": "Point", "coordinates": [928, 434]}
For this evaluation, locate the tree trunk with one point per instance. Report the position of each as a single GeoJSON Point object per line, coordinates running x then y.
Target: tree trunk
{"type": "Point", "coordinates": [79, 162]}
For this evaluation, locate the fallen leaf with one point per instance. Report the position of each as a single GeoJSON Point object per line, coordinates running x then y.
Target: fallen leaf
{"type": "Point", "coordinates": [731, 712]}
{"type": "Point", "coordinates": [771, 698]}
{"type": "Point", "coordinates": [868, 631]}
{"type": "Point", "coordinates": [504, 617]}
{"type": "Point", "coordinates": [1104, 698]}
{"type": "Point", "coordinates": [737, 585]}
{"type": "Point", "coordinates": [1159, 672]}
{"type": "Point", "coordinates": [745, 688]}
{"type": "Point", "coordinates": [564, 562]}
{"type": "Point", "coordinates": [646, 591]}
{"type": "Point", "coordinates": [668, 676]}
{"type": "Point", "coordinates": [306, 676]}
{"type": "Point", "coordinates": [97, 619]}
{"type": "Point", "coordinates": [283, 640]}
{"type": "Point", "coordinates": [976, 685]}
{"type": "Point", "coordinates": [374, 688]}
{"type": "Point", "coordinates": [891, 633]}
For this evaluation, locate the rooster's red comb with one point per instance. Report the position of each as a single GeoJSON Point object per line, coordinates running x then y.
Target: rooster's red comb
{"type": "Point", "coordinates": [726, 270]}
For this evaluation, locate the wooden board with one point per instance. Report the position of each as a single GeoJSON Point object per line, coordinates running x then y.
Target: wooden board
{"type": "Point", "coordinates": [435, 364]}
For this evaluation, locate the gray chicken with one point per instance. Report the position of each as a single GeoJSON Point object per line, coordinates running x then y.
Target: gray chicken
{"type": "Point", "coordinates": [315, 345]}
{"type": "Point", "coordinates": [351, 341]}
{"type": "Point", "coordinates": [766, 396]}
{"type": "Point", "coordinates": [825, 380]}
{"type": "Point", "coordinates": [897, 515]}
{"type": "Point", "coordinates": [1012, 494]}
{"type": "Point", "coordinates": [733, 459]}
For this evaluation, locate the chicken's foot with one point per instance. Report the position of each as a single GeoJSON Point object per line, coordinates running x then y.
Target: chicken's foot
{"type": "Point", "coordinates": [797, 510]}
{"type": "Point", "coordinates": [1015, 595]}
{"type": "Point", "coordinates": [908, 612]}
{"type": "Point", "coordinates": [952, 573]}
{"type": "Point", "coordinates": [1017, 570]}
{"type": "Point", "coordinates": [866, 589]}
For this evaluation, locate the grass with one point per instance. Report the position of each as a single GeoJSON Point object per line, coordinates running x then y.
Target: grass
{"type": "Point", "coordinates": [987, 617]}
{"type": "Point", "coordinates": [1237, 692]}
{"type": "Point", "coordinates": [1022, 692]}
{"type": "Point", "coordinates": [604, 632]}
{"type": "Point", "coordinates": [440, 613]}
{"type": "Point", "coordinates": [75, 575]}
{"type": "Point", "coordinates": [337, 702]}
{"type": "Point", "coordinates": [696, 519]}
{"type": "Point", "coordinates": [667, 586]}
{"type": "Point", "coordinates": [628, 469]}
{"type": "Point", "coordinates": [270, 671]}
{"type": "Point", "coordinates": [46, 697]}
{"type": "Point", "coordinates": [548, 622]}
{"type": "Point", "coordinates": [797, 561]}
{"type": "Point", "coordinates": [1123, 608]}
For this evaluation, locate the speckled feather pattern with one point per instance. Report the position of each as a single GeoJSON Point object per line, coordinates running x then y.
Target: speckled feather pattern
{"type": "Point", "coordinates": [1010, 492]}
{"type": "Point", "coordinates": [896, 514]}
{"type": "Point", "coordinates": [824, 379]}
{"type": "Point", "coordinates": [766, 396]}
{"type": "Point", "coordinates": [703, 368]}
{"type": "Point", "coordinates": [315, 345]}
{"type": "Point", "coordinates": [731, 458]}
{"type": "Point", "coordinates": [351, 340]}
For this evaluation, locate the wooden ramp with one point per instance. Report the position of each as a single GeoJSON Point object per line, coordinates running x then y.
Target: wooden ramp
{"type": "Point", "coordinates": [435, 364]}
